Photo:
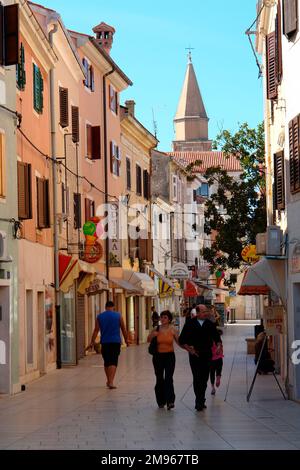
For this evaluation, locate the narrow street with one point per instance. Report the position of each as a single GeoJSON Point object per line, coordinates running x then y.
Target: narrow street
{"type": "Point", "coordinates": [72, 408]}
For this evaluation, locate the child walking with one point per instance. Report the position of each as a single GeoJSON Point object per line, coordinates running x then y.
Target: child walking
{"type": "Point", "coordinates": [216, 366]}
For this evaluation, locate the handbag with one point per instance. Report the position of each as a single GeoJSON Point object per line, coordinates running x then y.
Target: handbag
{"type": "Point", "coordinates": [152, 349]}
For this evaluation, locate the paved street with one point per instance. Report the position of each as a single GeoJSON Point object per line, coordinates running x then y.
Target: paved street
{"type": "Point", "coordinates": [72, 408]}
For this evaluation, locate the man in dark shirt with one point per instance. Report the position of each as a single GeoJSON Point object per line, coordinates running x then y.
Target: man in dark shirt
{"type": "Point", "coordinates": [154, 317]}
{"type": "Point", "coordinates": [197, 338]}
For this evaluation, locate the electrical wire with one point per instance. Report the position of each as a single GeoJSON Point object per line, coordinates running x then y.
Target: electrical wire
{"type": "Point", "coordinates": [248, 32]}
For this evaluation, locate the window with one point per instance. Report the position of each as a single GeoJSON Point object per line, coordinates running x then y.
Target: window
{"type": "Point", "coordinates": [77, 211]}
{"type": "Point", "coordinates": [146, 185]}
{"type": "Point", "coordinates": [43, 210]}
{"type": "Point", "coordinates": [278, 188]}
{"type": "Point", "coordinates": [24, 191]}
{"type": "Point", "coordinates": [75, 124]}
{"type": "Point", "coordinates": [38, 89]}
{"type": "Point", "coordinates": [204, 190]}
{"type": "Point", "coordinates": [2, 156]}
{"type": "Point", "coordinates": [64, 107]}
{"type": "Point", "coordinates": [89, 209]}
{"type": "Point", "coordinates": [20, 69]}
{"type": "Point", "coordinates": [93, 142]}
{"type": "Point", "coordinates": [138, 180]}
{"type": "Point", "coordinates": [9, 34]}
{"type": "Point", "coordinates": [115, 159]}
{"type": "Point", "coordinates": [271, 66]}
{"type": "Point", "coordinates": [128, 173]}
{"type": "Point", "coordinates": [294, 141]}
{"type": "Point", "coordinates": [290, 18]}
{"type": "Point", "coordinates": [89, 81]}
{"type": "Point", "coordinates": [113, 99]}
{"type": "Point", "coordinates": [174, 188]}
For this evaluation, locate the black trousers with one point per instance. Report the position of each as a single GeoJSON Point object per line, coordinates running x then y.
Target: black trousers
{"type": "Point", "coordinates": [200, 370]}
{"type": "Point", "coordinates": [215, 369]}
{"type": "Point", "coordinates": [164, 366]}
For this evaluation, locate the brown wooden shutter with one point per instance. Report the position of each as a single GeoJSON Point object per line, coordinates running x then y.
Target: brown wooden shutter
{"type": "Point", "coordinates": [112, 157]}
{"type": "Point", "coordinates": [77, 211]}
{"type": "Point", "coordinates": [278, 40]}
{"type": "Point", "coordinates": [138, 180]}
{"type": "Point", "coordinates": [43, 215]}
{"type": "Point", "coordinates": [142, 249]}
{"type": "Point", "coordinates": [1, 35]}
{"type": "Point", "coordinates": [149, 248]}
{"type": "Point", "coordinates": [89, 209]}
{"type": "Point", "coordinates": [290, 17]}
{"type": "Point", "coordinates": [75, 124]}
{"type": "Point", "coordinates": [294, 154]}
{"type": "Point", "coordinates": [64, 106]}
{"type": "Point", "coordinates": [279, 191]}
{"type": "Point", "coordinates": [11, 34]}
{"type": "Point", "coordinates": [24, 191]}
{"type": "Point", "coordinates": [128, 173]}
{"type": "Point", "coordinates": [96, 143]}
{"type": "Point", "coordinates": [271, 66]}
{"type": "Point", "coordinates": [89, 141]}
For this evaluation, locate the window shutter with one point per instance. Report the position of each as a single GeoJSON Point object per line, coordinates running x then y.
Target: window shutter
{"type": "Point", "coordinates": [77, 211]}
{"type": "Point", "coordinates": [36, 89]}
{"type": "Point", "coordinates": [128, 173]}
{"type": "Point", "coordinates": [75, 124]}
{"type": "Point", "coordinates": [146, 185]}
{"type": "Point", "coordinates": [87, 209]}
{"type": "Point", "coordinates": [111, 97]}
{"type": "Point", "coordinates": [279, 191]}
{"type": "Point", "coordinates": [174, 184]}
{"type": "Point", "coordinates": [40, 204]}
{"type": "Point", "coordinates": [271, 66]}
{"type": "Point", "coordinates": [278, 34]}
{"type": "Point", "coordinates": [86, 70]}
{"type": "Point", "coordinates": [21, 73]}
{"type": "Point", "coordinates": [294, 154]}
{"type": "Point", "coordinates": [149, 248]}
{"type": "Point", "coordinates": [1, 35]}
{"type": "Point", "coordinates": [89, 141]}
{"type": "Point", "coordinates": [63, 199]}
{"type": "Point", "coordinates": [91, 78]}
{"type": "Point", "coordinates": [24, 191]}
{"type": "Point", "coordinates": [11, 34]}
{"type": "Point", "coordinates": [64, 106]}
{"type": "Point", "coordinates": [112, 146]}
{"type": "Point", "coordinates": [290, 17]}
{"type": "Point", "coordinates": [96, 143]}
{"type": "Point", "coordinates": [119, 161]}
{"type": "Point", "coordinates": [142, 249]}
{"type": "Point", "coordinates": [138, 180]}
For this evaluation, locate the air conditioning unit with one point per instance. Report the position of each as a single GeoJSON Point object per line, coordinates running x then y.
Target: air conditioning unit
{"type": "Point", "coordinates": [261, 242]}
{"type": "Point", "coordinates": [274, 241]}
{"type": "Point", "coordinates": [3, 248]}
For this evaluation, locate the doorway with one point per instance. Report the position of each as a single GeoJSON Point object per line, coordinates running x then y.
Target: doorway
{"type": "Point", "coordinates": [41, 332]}
{"type": "Point", "coordinates": [4, 340]}
{"type": "Point", "coordinates": [296, 298]}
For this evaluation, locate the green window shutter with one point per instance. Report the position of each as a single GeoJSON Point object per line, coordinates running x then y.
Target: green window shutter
{"type": "Point", "coordinates": [38, 87]}
{"type": "Point", "coordinates": [21, 73]}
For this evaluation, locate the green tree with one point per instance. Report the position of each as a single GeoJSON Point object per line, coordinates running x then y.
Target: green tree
{"type": "Point", "coordinates": [236, 212]}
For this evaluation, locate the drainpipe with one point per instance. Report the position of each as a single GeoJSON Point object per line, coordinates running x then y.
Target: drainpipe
{"type": "Point", "coordinates": [55, 182]}
{"type": "Point", "coordinates": [106, 166]}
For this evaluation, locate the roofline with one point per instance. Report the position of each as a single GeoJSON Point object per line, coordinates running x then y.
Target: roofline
{"type": "Point", "coordinates": [110, 60]}
{"type": "Point", "coordinates": [140, 124]}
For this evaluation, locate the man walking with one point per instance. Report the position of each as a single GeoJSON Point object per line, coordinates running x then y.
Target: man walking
{"type": "Point", "coordinates": [197, 338]}
{"type": "Point", "coordinates": [109, 324]}
{"type": "Point", "coordinates": [154, 317]}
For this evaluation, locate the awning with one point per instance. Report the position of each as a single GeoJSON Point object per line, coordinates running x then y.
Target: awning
{"type": "Point", "coordinates": [73, 272]}
{"type": "Point", "coordinates": [127, 286]}
{"type": "Point", "coordinates": [142, 282]}
{"type": "Point", "coordinates": [97, 285]}
{"type": "Point", "coordinates": [64, 262]}
{"type": "Point", "coordinates": [263, 276]}
{"type": "Point", "coordinates": [166, 280]}
{"type": "Point", "coordinates": [191, 289]}
{"type": "Point", "coordinates": [253, 285]}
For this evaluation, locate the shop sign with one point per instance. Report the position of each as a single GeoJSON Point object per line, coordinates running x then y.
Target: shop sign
{"type": "Point", "coordinates": [274, 320]}
{"type": "Point", "coordinates": [296, 259]}
{"type": "Point", "coordinates": [115, 245]}
{"type": "Point", "coordinates": [179, 271]}
{"type": "Point", "coordinates": [249, 254]}
{"type": "Point", "coordinates": [97, 286]}
{"type": "Point", "coordinates": [93, 251]}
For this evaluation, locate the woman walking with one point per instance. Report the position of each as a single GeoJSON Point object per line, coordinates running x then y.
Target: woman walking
{"type": "Point", "coordinates": [164, 360]}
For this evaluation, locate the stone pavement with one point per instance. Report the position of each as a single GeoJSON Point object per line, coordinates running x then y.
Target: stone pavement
{"type": "Point", "coordinates": [72, 408]}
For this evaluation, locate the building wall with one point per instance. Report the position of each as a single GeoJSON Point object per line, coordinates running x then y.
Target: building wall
{"type": "Point", "coordinates": [9, 326]}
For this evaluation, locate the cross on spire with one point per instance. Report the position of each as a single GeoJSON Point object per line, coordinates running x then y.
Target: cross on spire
{"type": "Point", "coordinates": [190, 49]}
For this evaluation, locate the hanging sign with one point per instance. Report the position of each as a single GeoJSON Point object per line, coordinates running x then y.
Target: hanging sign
{"type": "Point", "coordinates": [249, 254]}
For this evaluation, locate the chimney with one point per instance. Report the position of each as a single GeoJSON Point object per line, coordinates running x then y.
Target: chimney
{"type": "Point", "coordinates": [130, 105]}
{"type": "Point", "coordinates": [104, 36]}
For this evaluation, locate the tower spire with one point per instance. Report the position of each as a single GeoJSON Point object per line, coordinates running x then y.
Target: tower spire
{"type": "Point", "coordinates": [191, 121]}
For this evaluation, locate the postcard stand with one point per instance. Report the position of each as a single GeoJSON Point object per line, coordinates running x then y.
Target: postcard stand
{"type": "Point", "coordinates": [256, 372]}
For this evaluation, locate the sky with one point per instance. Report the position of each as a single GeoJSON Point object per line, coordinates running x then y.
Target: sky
{"type": "Point", "coordinates": [150, 47]}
